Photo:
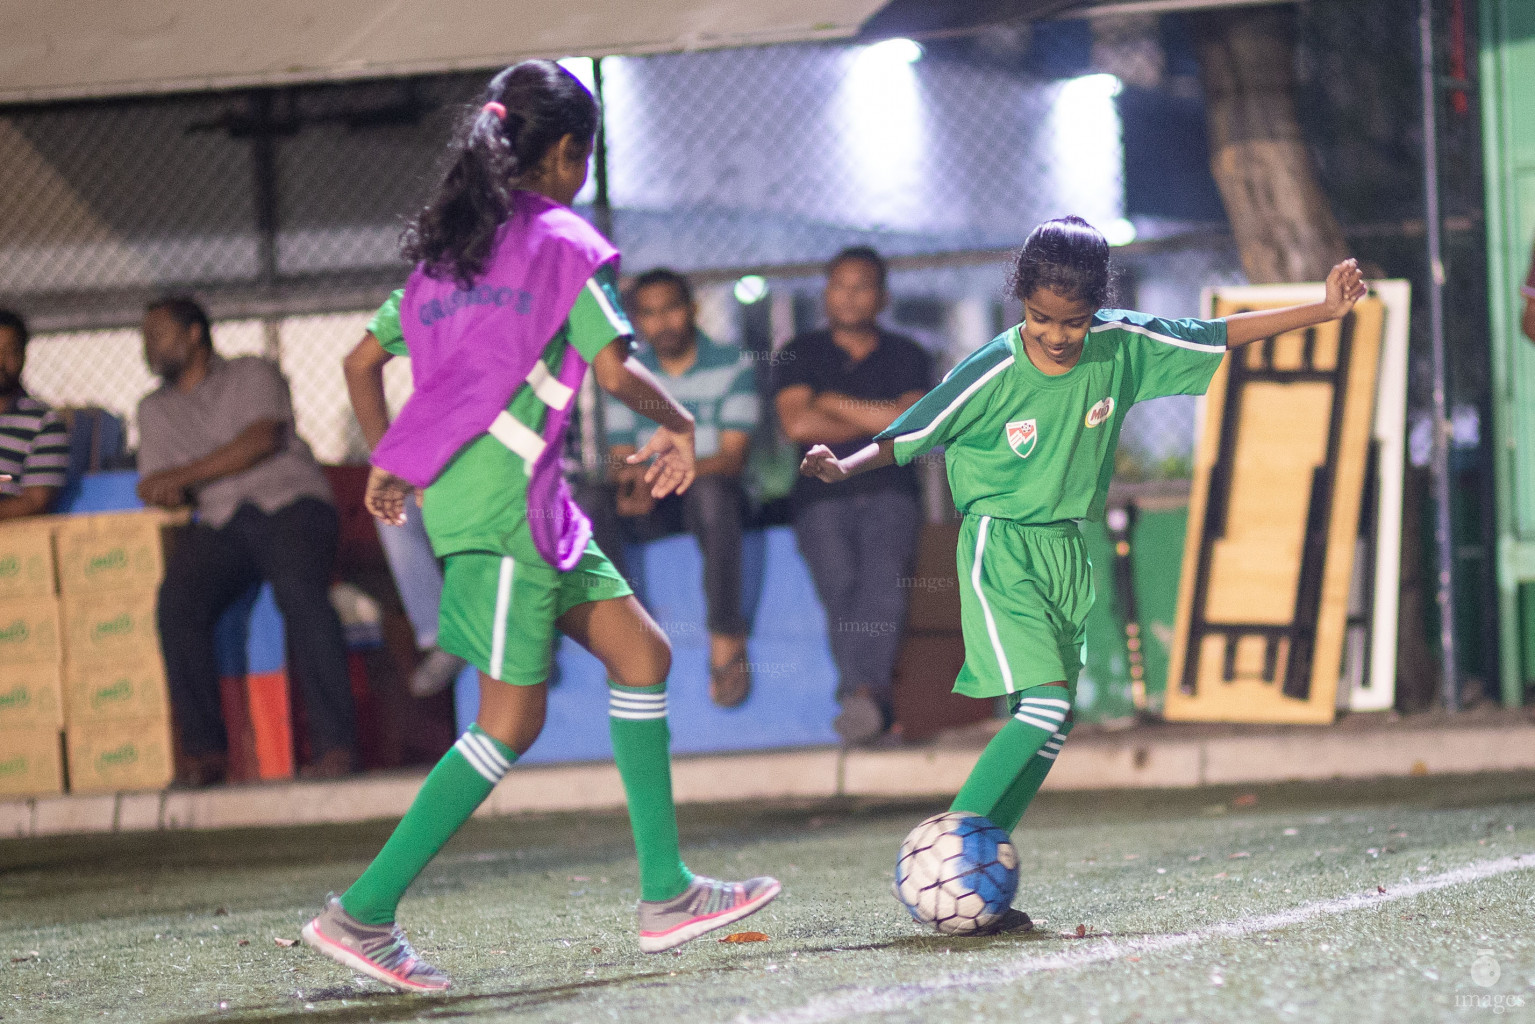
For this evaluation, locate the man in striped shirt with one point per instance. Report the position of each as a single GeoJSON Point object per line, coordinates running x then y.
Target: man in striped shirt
{"type": "Point", "coordinates": [716, 384]}
{"type": "Point", "coordinates": [34, 443]}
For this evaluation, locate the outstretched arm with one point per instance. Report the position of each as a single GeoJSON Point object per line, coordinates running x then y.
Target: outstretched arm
{"type": "Point", "coordinates": [820, 463]}
{"type": "Point", "coordinates": [1345, 286]}
{"type": "Point", "coordinates": [671, 447]}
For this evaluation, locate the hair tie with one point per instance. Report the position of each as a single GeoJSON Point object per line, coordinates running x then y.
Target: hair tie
{"type": "Point", "coordinates": [495, 108]}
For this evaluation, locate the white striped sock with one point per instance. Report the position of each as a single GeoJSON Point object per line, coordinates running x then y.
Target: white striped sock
{"type": "Point", "coordinates": [1046, 702]}
{"type": "Point", "coordinates": [1040, 719]}
{"type": "Point", "coordinates": [1052, 746]}
{"type": "Point", "coordinates": [483, 756]}
{"type": "Point", "coordinates": [634, 706]}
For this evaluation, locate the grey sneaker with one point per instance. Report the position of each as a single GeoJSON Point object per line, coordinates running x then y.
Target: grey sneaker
{"type": "Point", "coordinates": [380, 951]}
{"type": "Point", "coordinates": [705, 905]}
{"type": "Point", "coordinates": [861, 720]}
{"type": "Point", "coordinates": [435, 673]}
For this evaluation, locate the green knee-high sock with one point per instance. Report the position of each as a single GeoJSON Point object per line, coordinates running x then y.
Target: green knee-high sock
{"type": "Point", "coordinates": [1009, 810]}
{"type": "Point", "coordinates": [460, 783]}
{"type": "Point", "coordinates": [641, 748]}
{"type": "Point", "coordinates": [1038, 712]}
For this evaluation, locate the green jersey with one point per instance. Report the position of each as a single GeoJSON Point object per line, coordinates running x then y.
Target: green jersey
{"type": "Point", "coordinates": [1025, 446]}
{"type": "Point", "coordinates": [479, 503]}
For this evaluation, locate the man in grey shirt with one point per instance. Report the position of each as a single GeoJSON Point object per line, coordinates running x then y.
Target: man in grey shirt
{"type": "Point", "coordinates": [219, 434]}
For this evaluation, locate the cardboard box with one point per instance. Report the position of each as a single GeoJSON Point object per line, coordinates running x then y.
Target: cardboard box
{"type": "Point", "coordinates": [31, 698]}
{"type": "Point", "coordinates": [26, 560]}
{"type": "Point", "coordinates": [29, 632]}
{"type": "Point", "coordinates": [127, 754]}
{"type": "Point", "coordinates": [31, 763]}
{"type": "Point", "coordinates": [115, 551]}
{"type": "Point", "coordinates": [110, 628]}
{"type": "Point", "coordinates": [107, 693]}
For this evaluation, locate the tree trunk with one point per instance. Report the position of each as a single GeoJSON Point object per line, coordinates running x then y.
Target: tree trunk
{"type": "Point", "coordinates": [1283, 225]}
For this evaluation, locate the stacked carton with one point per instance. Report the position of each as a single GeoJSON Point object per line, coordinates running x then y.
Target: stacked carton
{"type": "Point", "coordinates": [117, 713]}
{"type": "Point", "coordinates": [31, 699]}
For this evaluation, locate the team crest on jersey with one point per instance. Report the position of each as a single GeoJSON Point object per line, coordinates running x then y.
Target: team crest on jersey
{"type": "Point", "coordinates": [1021, 436]}
{"type": "Point", "coordinates": [1100, 413]}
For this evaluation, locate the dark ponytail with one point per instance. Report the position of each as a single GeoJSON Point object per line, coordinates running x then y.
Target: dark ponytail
{"type": "Point", "coordinates": [1066, 255]}
{"type": "Point", "coordinates": [453, 234]}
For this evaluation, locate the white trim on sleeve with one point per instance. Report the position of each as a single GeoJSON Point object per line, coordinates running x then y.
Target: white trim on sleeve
{"type": "Point", "coordinates": [961, 399]}
{"type": "Point", "coordinates": [619, 324]}
{"type": "Point", "coordinates": [1166, 339]}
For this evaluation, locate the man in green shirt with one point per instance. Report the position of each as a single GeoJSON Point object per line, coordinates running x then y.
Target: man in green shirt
{"type": "Point", "coordinates": [717, 385]}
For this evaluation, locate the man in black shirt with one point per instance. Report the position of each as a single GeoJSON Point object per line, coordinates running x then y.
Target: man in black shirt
{"type": "Point", "coordinates": [840, 386]}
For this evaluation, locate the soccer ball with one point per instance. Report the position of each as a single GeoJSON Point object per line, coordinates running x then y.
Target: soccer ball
{"type": "Point", "coordinates": [956, 872]}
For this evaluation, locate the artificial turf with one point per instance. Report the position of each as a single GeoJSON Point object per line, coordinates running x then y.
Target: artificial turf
{"type": "Point", "coordinates": [1205, 905]}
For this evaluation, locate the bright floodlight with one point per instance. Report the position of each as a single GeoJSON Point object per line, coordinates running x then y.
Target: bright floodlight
{"type": "Point", "coordinates": [1092, 87]}
{"type": "Point", "coordinates": [892, 52]}
{"type": "Point", "coordinates": [1119, 231]}
{"type": "Point", "coordinates": [750, 289]}
{"type": "Point", "coordinates": [581, 67]}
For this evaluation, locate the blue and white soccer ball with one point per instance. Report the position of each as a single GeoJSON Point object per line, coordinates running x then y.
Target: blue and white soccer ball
{"type": "Point", "coordinates": [957, 872]}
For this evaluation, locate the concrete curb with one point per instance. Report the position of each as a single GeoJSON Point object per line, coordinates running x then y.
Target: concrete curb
{"type": "Point", "coordinates": [1127, 760]}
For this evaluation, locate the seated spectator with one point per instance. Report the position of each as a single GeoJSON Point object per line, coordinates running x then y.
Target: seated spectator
{"type": "Point", "coordinates": [716, 384]}
{"type": "Point", "coordinates": [219, 434]}
{"type": "Point", "coordinates": [840, 386]}
{"type": "Point", "coordinates": [34, 443]}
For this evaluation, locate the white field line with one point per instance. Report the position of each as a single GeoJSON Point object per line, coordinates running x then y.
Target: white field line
{"type": "Point", "coordinates": [863, 1001]}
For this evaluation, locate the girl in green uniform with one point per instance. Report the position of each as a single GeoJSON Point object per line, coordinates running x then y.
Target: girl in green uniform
{"type": "Point", "coordinates": [512, 297]}
{"type": "Point", "coordinates": [1030, 422]}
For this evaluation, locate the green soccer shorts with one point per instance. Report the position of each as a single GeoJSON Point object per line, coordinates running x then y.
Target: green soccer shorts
{"type": "Point", "coordinates": [498, 613]}
{"type": "Point", "coordinates": [1024, 594]}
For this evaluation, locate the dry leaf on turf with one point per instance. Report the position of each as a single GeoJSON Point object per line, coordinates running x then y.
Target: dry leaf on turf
{"type": "Point", "coordinates": [745, 937]}
{"type": "Point", "coordinates": [285, 943]}
{"type": "Point", "coordinates": [243, 942]}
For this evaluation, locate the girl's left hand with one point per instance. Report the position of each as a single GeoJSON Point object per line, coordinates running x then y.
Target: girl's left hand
{"type": "Point", "coordinates": [673, 470]}
{"type": "Point", "coordinates": [386, 496]}
{"type": "Point", "coordinates": [1345, 286]}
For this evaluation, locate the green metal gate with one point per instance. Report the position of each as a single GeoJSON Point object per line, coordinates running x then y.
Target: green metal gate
{"type": "Point", "coordinates": [1508, 120]}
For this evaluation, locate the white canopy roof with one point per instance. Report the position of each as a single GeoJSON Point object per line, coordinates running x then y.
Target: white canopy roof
{"type": "Point", "coordinates": [61, 49]}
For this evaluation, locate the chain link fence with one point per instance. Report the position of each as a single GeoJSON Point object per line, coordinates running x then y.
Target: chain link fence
{"type": "Point", "coordinates": [282, 208]}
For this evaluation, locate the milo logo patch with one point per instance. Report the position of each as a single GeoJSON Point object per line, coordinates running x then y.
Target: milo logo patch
{"type": "Point", "coordinates": [115, 694]}
{"type": "Point", "coordinates": [19, 697]}
{"type": "Point", "coordinates": [1100, 413]}
{"type": "Point", "coordinates": [109, 628]}
{"type": "Point", "coordinates": [15, 766]}
{"type": "Point", "coordinates": [123, 755]}
{"type": "Point", "coordinates": [10, 566]}
{"type": "Point", "coordinates": [108, 561]}
{"type": "Point", "coordinates": [16, 633]}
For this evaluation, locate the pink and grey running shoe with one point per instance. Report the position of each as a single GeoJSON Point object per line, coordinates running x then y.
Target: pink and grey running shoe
{"type": "Point", "coordinates": [379, 951]}
{"type": "Point", "coordinates": [702, 907]}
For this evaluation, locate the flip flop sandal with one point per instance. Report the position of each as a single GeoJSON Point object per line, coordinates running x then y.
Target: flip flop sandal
{"type": "Point", "coordinates": [731, 683]}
